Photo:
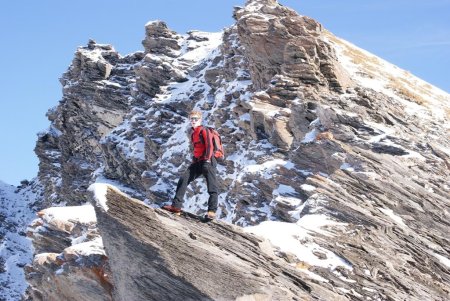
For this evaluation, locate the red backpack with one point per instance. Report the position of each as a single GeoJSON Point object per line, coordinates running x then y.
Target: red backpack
{"type": "Point", "coordinates": [215, 143]}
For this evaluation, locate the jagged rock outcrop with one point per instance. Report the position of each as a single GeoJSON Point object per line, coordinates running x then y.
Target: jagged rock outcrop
{"type": "Point", "coordinates": [96, 91]}
{"type": "Point", "coordinates": [181, 258]}
{"type": "Point", "coordinates": [70, 262]}
{"type": "Point", "coordinates": [278, 41]}
{"type": "Point", "coordinates": [312, 126]}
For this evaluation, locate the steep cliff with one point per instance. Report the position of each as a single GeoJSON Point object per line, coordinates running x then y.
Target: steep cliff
{"type": "Point", "coordinates": [314, 129]}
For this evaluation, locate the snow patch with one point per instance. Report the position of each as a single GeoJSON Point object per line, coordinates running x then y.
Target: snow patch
{"type": "Point", "coordinates": [311, 136]}
{"type": "Point", "coordinates": [393, 216]}
{"type": "Point", "coordinates": [295, 238]}
{"type": "Point", "coordinates": [445, 261]}
{"type": "Point", "coordinates": [91, 247]}
{"type": "Point", "coordinates": [283, 195]}
{"type": "Point", "coordinates": [307, 187]}
{"type": "Point", "coordinates": [99, 190]}
{"type": "Point", "coordinates": [346, 166]}
{"type": "Point", "coordinates": [82, 214]}
{"type": "Point", "coordinates": [419, 98]}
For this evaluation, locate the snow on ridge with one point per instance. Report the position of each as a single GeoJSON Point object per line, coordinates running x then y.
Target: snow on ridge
{"type": "Point", "coordinates": [87, 248]}
{"type": "Point", "coordinates": [151, 22]}
{"type": "Point", "coordinates": [99, 191]}
{"type": "Point", "coordinates": [4, 186]}
{"type": "Point", "coordinates": [202, 50]}
{"type": "Point", "coordinates": [94, 54]}
{"type": "Point", "coordinates": [419, 97]}
{"type": "Point", "coordinates": [82, 214]}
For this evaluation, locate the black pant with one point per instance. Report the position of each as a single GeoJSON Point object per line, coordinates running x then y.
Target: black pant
{"type": "Point", "coordinates": [195, 170]}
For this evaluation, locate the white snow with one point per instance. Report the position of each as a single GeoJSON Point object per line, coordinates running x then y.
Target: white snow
{"type": "Point", "coordinates": [203, 49]}
{"type": "Point", "coordinates": [429, 103]}
{"type": "Point", "coordinates": [311, 136]}
{"type": "Point", "coordinates": [81, 214]}
{"type": "Point", "coordinates": [15, 248]}
{"type": "Point", "coordinates": [266, 167]}
{"type": "Point", "coordinates": [245, 117]}
{"type": "Point", "coordinates": [346, 166]}
{"type": "Point", "coordinates": [445, 261]}
{"type": "Point", "coordinates": [286, 189]}
{"type": "Point", "coordinates": [295, 238]}
{"type": "Point", "coordinates": [393, 216]}
{"type": "Point", "coordinates": [99, 190]}
{"type": "Point", "coordinates": [307, 187]}
{"type": "Point", "coordinates": [283, 194]}
{"type": "Point", "coordinates": [94, 246]}
{"type": "Point", "coordinates": [110, 83]}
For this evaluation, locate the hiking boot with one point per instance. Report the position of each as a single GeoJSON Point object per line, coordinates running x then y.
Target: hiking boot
{"type": "Point", "coordinates": [173, 209]}
{"type": "Point", "coordinates": [210, 215]}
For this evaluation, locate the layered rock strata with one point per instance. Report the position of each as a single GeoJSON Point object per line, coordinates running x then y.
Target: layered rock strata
{"type": "Point", "coordinates": [312, 125]}
{"type": "Point", "coordinates": [181, 258]}
{"type": "Point", "coordinates": [70, 263]}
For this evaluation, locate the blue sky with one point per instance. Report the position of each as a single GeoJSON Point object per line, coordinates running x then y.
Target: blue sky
{"type": "Point", "coordinates": [39, 38]}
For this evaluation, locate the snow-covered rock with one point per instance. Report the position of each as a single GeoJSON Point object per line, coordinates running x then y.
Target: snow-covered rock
{"type": "Point", "coordinates": [315, 129]}
{"type": "Point", "coordinates": [17, 207]}
{"type": "Point", "coordinates": [70, 262]}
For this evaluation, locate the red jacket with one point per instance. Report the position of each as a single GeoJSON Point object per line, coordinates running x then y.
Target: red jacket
{"type": "Point", "coordinates": [202, 145]}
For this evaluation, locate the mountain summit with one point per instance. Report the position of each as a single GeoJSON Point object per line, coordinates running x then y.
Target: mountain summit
{"type": "Point", "coordinates": [337, 158]}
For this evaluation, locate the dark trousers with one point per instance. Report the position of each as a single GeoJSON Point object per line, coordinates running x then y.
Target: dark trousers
{"type": "Point", "coordinates": [195, 170]}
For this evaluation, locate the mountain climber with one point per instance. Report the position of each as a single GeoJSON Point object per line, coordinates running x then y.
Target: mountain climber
{"type": "Point", "coordinates": [203, 163]}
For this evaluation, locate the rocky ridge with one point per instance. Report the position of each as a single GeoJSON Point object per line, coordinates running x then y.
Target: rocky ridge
{"type": "Point", "coordinates": [312, 126]}
{"type": "Point", "coordinates": [70, 261]}
{"type": "Point", "coordinates": [185, 252]}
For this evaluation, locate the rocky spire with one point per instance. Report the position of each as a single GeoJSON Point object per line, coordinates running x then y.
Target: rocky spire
{"type": "Point", "coordinates": [278, 41]}
{"type": "Point", "coordinates": [159, 39]}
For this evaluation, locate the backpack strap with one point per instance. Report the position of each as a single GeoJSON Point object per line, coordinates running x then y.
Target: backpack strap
{"type": "Point", "coordinates": [207, 139]}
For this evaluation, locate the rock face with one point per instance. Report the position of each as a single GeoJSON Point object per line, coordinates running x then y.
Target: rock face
{"type": "Point", "coordinates": [181, 258]}
{"type": "Point", "coordinates": [313, 127]}
{"type": "Point", "coordinates": [70, 263]}
{"type": "Point", "coordinates": [278, 41]}
{"type": "Point", "coordinates": [94, 102]}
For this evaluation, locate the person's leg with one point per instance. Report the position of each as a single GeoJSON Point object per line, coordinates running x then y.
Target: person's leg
{"type": "Point", "coordinates": [209, 172]}
{"type": "Point", "coordinates": [189, 175]}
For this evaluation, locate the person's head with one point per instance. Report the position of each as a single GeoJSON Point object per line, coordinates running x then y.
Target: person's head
{"type": "Point", "coordinates": [195, 118]}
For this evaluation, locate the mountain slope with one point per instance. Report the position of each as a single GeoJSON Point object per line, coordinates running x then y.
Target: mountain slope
{"type": "Point", "coordinates": [317, 132]}
{"type": "Point", "coordinates": [16, 212]}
